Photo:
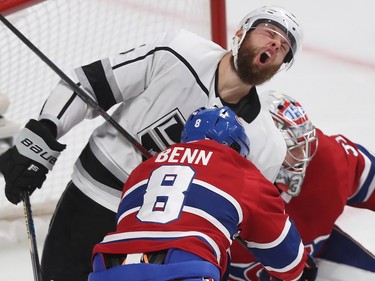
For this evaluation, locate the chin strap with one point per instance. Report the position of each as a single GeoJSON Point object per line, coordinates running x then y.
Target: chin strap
{"type": "Point", "coordinates": [236, 44]}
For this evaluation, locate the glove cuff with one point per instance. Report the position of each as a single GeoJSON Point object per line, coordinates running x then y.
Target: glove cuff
{"type": "Point", "coordinates": [37, 143]}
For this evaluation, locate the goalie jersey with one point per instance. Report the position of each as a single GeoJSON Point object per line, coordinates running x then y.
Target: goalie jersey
{"type": "Point", "coordinates": [341, 173]}
{"type": "Point", "coordinates": [151, 89]}
{"type": "Point", "coordinates": [197, 197]}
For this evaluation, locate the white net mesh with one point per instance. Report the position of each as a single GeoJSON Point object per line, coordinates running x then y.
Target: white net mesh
{"type": "Point", "coordinates": [72, 33]}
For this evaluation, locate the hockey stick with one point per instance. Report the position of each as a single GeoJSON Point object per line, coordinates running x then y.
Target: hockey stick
{"type": "Point", "coordinates": [31, 236]}
{"type": "Point", "coordinates": [79, 91]}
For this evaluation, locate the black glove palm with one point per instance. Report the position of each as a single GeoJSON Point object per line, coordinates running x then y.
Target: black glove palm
{"type": "Point", "coordinates": [26, 164]}
{"type": "Point", "coordinates": [20, 173]}
{"type": "Point", "coordinates": [311, 270]}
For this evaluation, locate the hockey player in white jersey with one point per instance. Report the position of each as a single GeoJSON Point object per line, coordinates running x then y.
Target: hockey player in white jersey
{"type": "Point", "coordinates": [155, 87]}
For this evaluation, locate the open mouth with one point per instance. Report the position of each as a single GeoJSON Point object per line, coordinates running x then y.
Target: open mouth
{"type": "Point", "coordinates": [265, 57]}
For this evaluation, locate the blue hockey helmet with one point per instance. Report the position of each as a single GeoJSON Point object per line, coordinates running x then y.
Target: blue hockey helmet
{"type": "Point", "coordinates": [218, 124]}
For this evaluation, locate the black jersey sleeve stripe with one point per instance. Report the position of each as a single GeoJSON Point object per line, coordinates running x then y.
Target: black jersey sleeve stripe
{"type": "Point", "coordinates": [95, 74]}
{"type": "Point", "coordinates": [97, 170]}
{"type": "Point", "coordinates": [67, 104]}
{"type": "Point", "coordinates": [181, 58]}
{"type": "Point", "coordinates": [65, 107]}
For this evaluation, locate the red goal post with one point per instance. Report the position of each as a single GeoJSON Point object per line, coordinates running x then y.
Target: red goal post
{"type": "Point", "coordinates": [6, 6]}
{"type": "Point", "coordinates": [72, 33]}
{"type": "Point", "coordinates": [217, 7]}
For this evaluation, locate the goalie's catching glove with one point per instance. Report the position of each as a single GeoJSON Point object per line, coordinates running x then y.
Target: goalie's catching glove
{"type": "Point", "coordinates": [26, 164]}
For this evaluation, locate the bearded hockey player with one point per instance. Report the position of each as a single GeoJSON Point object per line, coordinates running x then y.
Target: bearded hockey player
{"type": "Point", "coordinates": [152, 89]}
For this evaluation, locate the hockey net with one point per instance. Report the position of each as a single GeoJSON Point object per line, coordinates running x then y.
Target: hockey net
{"type": "Point", "coordinates": [72, 33]}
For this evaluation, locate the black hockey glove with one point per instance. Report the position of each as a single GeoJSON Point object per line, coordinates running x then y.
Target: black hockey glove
{"type": "Point", "coordinates": [311, 270]}
{"type": "Point", "coordinates": [26, 164]}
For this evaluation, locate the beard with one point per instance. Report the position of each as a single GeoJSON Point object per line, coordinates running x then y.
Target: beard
{"type": "Point", "coordinates": [250, 73]}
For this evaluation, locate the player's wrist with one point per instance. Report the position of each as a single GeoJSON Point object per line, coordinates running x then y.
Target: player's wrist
{"type": "Point", "coordinates": [50, 126]}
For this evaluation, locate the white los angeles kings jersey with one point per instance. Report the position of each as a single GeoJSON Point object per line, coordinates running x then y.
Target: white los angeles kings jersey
{"type": "Point", "coordinates": [156, 87]}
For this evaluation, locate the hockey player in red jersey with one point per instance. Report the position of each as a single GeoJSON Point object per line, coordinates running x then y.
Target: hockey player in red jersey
{"type": "Point", "coordinates": [150, 91]}
{"type": "Point", "coordinates": [181, 210]}
{"type": "Point", "coordinates": [316, 193]}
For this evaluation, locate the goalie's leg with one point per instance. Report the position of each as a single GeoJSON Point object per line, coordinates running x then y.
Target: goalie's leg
{"type": "Point", "coordinates": [342, 248]}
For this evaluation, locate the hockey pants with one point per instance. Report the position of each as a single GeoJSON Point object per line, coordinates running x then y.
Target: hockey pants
{"type": "Point", "coordinates": [177, 265]}
{"type": "Point", "coordinates": [76, 226]}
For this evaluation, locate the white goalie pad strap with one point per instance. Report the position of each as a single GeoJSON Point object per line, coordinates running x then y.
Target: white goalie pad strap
{"type": "Point", "coordinates": [5, 144]}
{"type": "Point", "coordinates": [34, 147]}
{"type": "Point", "coordinates": [7, 128]}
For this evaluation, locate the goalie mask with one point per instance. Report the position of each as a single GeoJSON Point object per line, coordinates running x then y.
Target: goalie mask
{"type": "Point", "coordinates": [278, 17]}
{"type": "Point", "coordinates": [300, 137]}
{"type": "Point", "coordinates": [218, 124]}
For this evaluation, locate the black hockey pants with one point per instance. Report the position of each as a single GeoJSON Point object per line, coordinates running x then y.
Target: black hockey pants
{"type": "Point", "coordinates": [76, 226]}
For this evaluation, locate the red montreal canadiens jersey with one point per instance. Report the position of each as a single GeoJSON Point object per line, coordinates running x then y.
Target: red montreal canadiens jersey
{"type": "Point", "coordinates": [198, 196]}
{"type": "Point", "coordinates": [341, 173]}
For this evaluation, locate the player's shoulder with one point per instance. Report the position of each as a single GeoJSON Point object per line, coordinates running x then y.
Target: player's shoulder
{"type": "Point", "coordinates": [338, 153]}
{"type": "Point", "coordinates": [164, 39]}
{"type": "Point", "coordinates": [335, 143]}
{"type": "Point", "coordinates": [191, 42]}
{"type": "Point", "coordinates": [171, 36]}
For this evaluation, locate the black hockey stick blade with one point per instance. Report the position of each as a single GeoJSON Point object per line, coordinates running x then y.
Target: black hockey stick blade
{"type": "Point", "coordinates": [31, 236]}
{"type": "Point", "coordinates": [79, 91]}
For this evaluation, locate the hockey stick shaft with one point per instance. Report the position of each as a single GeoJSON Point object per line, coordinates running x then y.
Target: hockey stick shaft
{"type": "Point", "coordinates": [79, 91]}
{"type": "Point", "coordinates": [31, 236]}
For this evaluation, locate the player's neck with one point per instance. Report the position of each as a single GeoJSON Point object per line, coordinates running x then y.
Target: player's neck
{"type": "Point", "coordinates": [231, 89]}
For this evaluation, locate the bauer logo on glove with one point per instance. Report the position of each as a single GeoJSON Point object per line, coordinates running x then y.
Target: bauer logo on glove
{"type": "Point", "coordinates": [26, 164]}
{"type": "Point", "coordinates": [37, 152]}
